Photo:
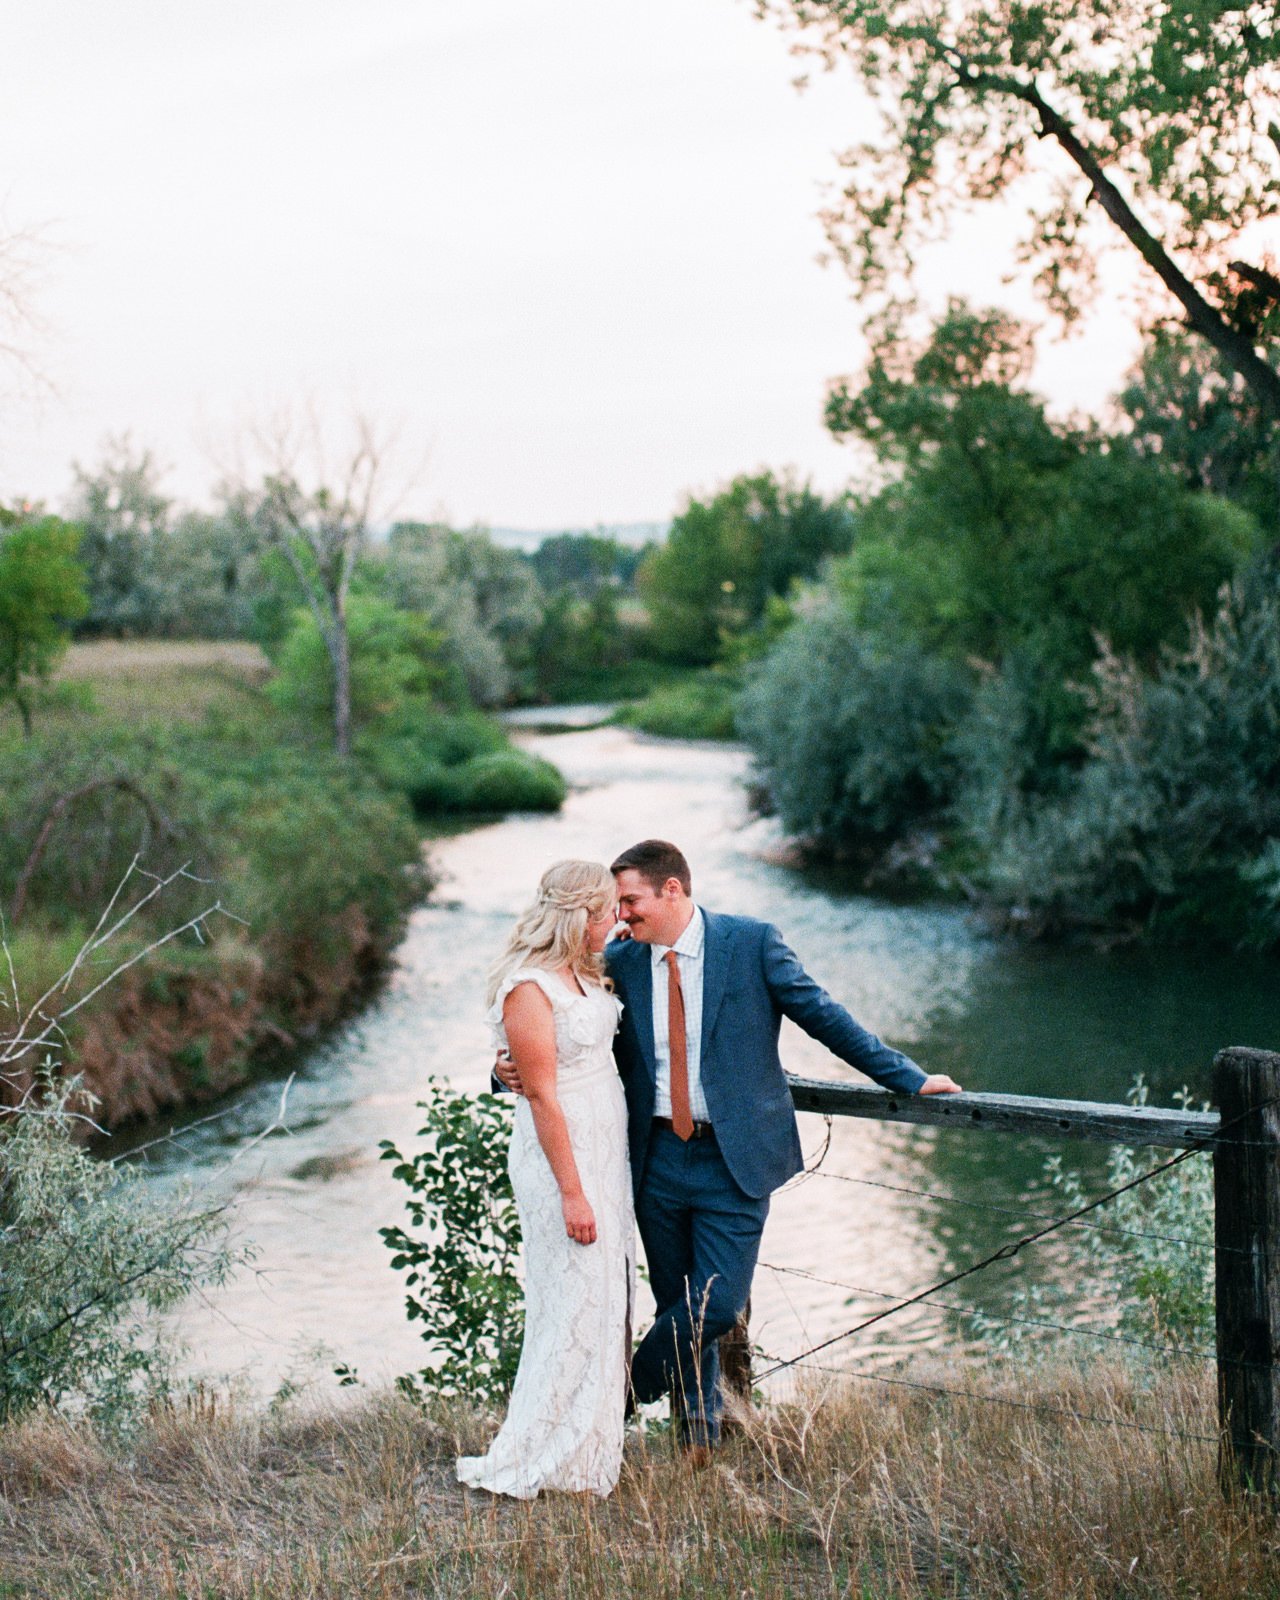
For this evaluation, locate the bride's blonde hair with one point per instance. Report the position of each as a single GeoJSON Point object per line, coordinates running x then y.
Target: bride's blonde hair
{"type": "Point", "coordinates": [552, 932]}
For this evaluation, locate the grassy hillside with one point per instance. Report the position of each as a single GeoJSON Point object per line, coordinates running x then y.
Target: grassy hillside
{"type": "Point", "coordinates": [862, 1490]}
{"type": "Point", "coordinates": [174, 753]}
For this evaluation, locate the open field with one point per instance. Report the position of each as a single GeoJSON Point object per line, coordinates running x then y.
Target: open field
{"type": "Point", "coordinates": [168, 680]}
{"type": "Point", "coordinates": [849, 1489]}
{"type": "Point", "coordinates": [148, 680]}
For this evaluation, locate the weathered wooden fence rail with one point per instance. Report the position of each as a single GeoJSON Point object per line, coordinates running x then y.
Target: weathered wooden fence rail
{"type": "Point", "coordinates": [1243, 1138]}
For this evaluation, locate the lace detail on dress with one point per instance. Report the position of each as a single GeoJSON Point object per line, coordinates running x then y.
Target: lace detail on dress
{"type": "Point", "coordinates": [563, 1428]}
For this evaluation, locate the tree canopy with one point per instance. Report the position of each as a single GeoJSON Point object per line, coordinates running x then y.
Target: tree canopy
{"type": "Point", "coordinates": [1153, 123]}
{"type": "Point", "coordinates": [727, 556]}
{"type": "Point", "coordinates": [1012, 541]}
{"type": "Point", "coordinates": [125, 519]}
{"type": "Point", "coordinates": [42, 590]}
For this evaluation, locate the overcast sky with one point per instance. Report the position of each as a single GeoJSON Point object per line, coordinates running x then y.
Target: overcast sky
{"type": "Point", "coordinates": [567, 247]}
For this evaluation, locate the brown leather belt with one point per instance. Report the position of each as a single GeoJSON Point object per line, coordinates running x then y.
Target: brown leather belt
{"type": "Point", "coordinates": [701, 1130]}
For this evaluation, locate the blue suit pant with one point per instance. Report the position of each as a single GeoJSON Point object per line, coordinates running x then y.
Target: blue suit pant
{"type": "Point", "coordinates": [701, 1236]}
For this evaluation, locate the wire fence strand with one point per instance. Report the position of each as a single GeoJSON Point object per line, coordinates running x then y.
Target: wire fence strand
{"type": "Point", "coordinates": [1007, 1251]}
{"type": "Point", "coordinates": [1009, 1318]}
{"type": "Point", "coordinates": [1017, 1211]}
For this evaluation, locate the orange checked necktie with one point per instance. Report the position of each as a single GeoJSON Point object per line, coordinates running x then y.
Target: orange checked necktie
{"type": "Point", "coordinates": [681, 1116]}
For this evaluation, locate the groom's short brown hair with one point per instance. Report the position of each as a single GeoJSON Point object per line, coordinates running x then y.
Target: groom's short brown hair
{"type": "Point", "coordinates": [656, 861]}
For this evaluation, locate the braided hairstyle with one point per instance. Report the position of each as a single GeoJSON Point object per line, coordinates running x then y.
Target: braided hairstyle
{"type": "Point", "coordinates": [552, 932]}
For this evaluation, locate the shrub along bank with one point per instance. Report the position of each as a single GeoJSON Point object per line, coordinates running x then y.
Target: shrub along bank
{"type": "Point", "coordinates": [318, 861]}
{"type": "Point", "coordinates": [1047, 672]}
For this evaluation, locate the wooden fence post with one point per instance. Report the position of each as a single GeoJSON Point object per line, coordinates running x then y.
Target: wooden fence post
{"type": "Point", "coordinates": [1246, 1187]}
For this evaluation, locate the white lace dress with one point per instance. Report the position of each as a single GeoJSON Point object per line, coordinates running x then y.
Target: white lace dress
{"type": "Point", "coordinates": [563, 1428]}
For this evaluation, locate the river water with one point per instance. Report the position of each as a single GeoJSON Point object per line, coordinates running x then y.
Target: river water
{"type": "Point", "coordinates": [996, 1015]}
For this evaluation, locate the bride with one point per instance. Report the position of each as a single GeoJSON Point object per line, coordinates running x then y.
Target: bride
{"type": "Point", "coordinates": [551, 1007]}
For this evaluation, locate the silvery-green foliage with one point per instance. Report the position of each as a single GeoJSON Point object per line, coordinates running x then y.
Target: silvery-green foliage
{"type": "Point", "coordinates": [481, 597]}
{"type": "Point", "coordinates": [1262, 876]}
{"type": "Point", "coordinates": [852, 739]}
{"type": "Point", "coordinates": [1145, 1264]}
{"type": "Point", "coordinates": [88, 1257]}
{"type": "Point", "coordinates": [461, 1247]}
{"type": "Point", "coordinates": [1177, 808]}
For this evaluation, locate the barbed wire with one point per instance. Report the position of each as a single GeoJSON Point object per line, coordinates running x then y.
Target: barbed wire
{"type": "Point", "coordinates": [1010, 1318]}
{"type": "Point", "coordinates": [1006, 1252]}
{"type": "Point", "coordinates": [1022, 1211]}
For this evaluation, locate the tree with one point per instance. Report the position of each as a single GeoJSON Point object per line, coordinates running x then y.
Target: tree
{"type": "Point", "coordinates": [321, 530]}
{"type": "Point", "coordinates": [125, 519]}
{"type": "Point", "coordinates": [1011, 541]}
{"type": "Point", "coordinates": [23, 252]}
{"type": "Point", "coordinates": [725, 558]}
{"type": "Point", "coordinates": [585, 563]}
{"type": "Point", "coordinates": [1188, 410]}
{"type": "Point", "coordinates": [482, 598]}
{"type": "Point", "coordinates": [1164, 120]}
{"type": "Point", "coordinates": [42, 591]}
{"type": "Point", "coordinates": [394, 656]}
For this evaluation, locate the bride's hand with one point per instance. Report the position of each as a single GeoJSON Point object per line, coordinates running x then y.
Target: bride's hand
{"type": "Point", "coordinates": [579, 1218]}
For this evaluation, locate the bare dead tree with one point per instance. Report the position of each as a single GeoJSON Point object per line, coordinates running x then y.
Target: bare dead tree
{"type": "Point", "coordinates": [319, 515]}
{"type": "Point", "coordinates": [22, 252]}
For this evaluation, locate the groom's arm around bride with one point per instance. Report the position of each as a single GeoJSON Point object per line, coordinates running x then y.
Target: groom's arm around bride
{"type": "Point", "coordinates": [711, 1125]}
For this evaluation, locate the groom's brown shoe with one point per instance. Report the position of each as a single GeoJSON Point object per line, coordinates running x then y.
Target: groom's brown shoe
{"type": "Point", "coordinates": [697, 1457]}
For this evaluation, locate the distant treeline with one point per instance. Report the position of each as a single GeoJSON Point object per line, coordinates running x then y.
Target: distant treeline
{"type": "Point", "coordinates": [1035, 660]}
{"type": "Point", "coordinates": [583, 615]}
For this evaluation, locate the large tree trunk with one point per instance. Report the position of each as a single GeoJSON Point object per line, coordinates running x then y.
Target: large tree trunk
{"type": "Point", "coordinates": [1204, 318]}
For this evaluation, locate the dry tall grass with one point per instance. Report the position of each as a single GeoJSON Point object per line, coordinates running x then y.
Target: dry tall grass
{"type": "Point", "coordinates": [162, 680]}
{"type": "Point", "coordinates": [168, 680]}
{"type": "Point", "coordinates": [844, 1489]}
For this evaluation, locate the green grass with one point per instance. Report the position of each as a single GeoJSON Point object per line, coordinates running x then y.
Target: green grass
{"type": "Point", "coordinates": [162, 681]}
{"type": "Point", "coordinates": [698, 706]}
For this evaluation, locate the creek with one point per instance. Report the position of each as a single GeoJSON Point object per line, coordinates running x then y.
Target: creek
{"type": "Point", "coordinates": [995, 1014]}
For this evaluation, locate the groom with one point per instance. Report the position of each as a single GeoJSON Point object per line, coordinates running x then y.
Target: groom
{"type": "Point", "coordinates": [711, 1124]}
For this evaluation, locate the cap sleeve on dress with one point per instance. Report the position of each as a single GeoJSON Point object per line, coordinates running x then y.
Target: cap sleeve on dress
{"type": "Point", "coordinates": [555, 992]}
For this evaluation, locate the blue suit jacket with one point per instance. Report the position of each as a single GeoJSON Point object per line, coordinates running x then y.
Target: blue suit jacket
{"type": "Point", "coordinates": [750, 981]}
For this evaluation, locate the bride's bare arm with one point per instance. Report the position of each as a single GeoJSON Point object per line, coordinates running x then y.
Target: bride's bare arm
{"type": "Point", "coordinates": [526, 1015]}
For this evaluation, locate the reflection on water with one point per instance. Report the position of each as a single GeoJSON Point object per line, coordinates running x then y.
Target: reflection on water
{"type": "Point", "coordinates": [996, 1016]}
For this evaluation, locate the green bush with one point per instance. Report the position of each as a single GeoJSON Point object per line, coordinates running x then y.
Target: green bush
{"type": "Point", "coordinates": [1159, 1288]}
{"type": "Point", "coordinates": [88, 1258]}
{"type": "Point", "coordinates": [508, 780]}
{"type": "Point", "coordinates": [1173, 818]}
{"type": "Point", "coordinates": [411, 750]}
{"type": "Point", "coordinates": [395, 656]}
{"type": "Point", "coordinates": [462, 1244]}
{"type": "Point", "coordinates": [700, 707]}
{"type": "Point", "coordinates": [853, 743]}
{"type": "Point", "coordinates": [308, 852]}
{"type": "Point", "coordinates": [459, 762]}
{"type": "Point", "coordinates": [290, 836]}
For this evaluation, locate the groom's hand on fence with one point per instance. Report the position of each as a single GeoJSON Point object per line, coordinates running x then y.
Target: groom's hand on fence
{"type": "Point", "coordinates": [507, 1073]}
{"type": "Point", "coordinates": [939, 1083]}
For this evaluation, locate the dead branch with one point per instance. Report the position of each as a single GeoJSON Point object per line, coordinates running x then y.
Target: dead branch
{"type": "Point", "coordinates": [156, 820]}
